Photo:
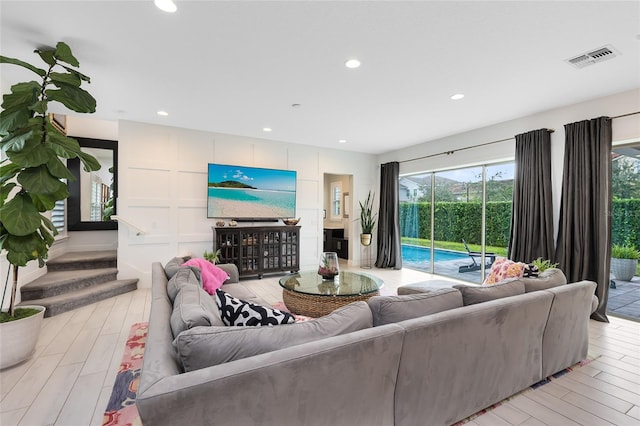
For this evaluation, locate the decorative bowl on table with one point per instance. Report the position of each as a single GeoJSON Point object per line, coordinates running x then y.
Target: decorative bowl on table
{"type": "Point", "coordinates": [291, 221]}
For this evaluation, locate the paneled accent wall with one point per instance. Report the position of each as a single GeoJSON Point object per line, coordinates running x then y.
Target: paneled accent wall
{"type": "Point", "coordinates": [163, 188]}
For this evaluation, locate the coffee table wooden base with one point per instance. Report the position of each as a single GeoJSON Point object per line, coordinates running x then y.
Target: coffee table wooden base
{"type": "Point", "coordinates": [317, 306]}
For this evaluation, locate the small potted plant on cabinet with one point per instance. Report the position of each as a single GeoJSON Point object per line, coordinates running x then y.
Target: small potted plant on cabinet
{"type": "Point", "coordinates": [212, 256]}
{"type": "Point", "coordinates": [367, 219]}
{"type": "Point", "coordinates": [33, 178]}
{"type": "Point", "coordinates": [624, 261]}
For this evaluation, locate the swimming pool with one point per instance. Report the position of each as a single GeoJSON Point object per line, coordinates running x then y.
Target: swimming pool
{"type": "Point", "coordinates": [418, 254]}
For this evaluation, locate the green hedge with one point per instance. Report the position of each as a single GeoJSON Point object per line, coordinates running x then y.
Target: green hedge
{"type": "Point", "coordinates": [625, 222]}
{"type": "Point", "coordinates": [455, 221]}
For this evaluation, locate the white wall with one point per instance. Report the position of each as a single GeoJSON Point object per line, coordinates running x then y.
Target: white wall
{"type": "Point", "coordinates": [626, 128]}
{"type": "Point", "coordinates": [162, 189]}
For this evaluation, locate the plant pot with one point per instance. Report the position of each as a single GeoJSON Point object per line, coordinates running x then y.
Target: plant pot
{"type": "Point", "coordinates": [623, 269]}
{"type": "Point", "coordinates": [19, 338]}
{"type": "Point", "coordinates": [365, 239]}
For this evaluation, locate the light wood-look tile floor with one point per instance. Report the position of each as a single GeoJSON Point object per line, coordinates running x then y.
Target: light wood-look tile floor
{"type": "Point", "coordinates": [69, 379]}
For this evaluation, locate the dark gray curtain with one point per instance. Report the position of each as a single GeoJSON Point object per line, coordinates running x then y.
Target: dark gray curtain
{"type": "Point", "coordinates": [532, 209]}
{"type": "Point", "coordinates": [389, 251]}
{"type": "Point", "coordinates": [584, 232]}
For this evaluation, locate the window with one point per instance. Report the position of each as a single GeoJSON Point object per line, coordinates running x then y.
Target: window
{"type": "Point", "coordinates": [451, 206]}
{"type": "Point", "coordinates": [57, 215]}
{"type": "Point", "coordinates": [95, 212]}
{"type": "Point", "coordinates": [625, 189]}
{"type": "Point", "coordinates": [336, 201]}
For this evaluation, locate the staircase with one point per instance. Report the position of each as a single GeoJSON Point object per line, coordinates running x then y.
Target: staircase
{"type": "Point", "coordinates": [76, 279]}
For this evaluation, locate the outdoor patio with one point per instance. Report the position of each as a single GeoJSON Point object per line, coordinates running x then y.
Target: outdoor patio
{"type": "Point", "coordinates": [448, 268]}
{"type": "Point", "coordinates": [624, 299]}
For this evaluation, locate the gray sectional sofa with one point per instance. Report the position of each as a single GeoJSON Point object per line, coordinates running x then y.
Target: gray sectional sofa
{"type": "Point", "coordinates": [421, 358]}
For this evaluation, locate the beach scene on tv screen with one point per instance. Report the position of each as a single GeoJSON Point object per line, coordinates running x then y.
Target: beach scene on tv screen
{"type": "Point", "coordinates": [250, 192]}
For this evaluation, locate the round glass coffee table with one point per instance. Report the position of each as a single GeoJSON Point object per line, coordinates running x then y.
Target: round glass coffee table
{"type": "Point", "coordinates": [307, 293]}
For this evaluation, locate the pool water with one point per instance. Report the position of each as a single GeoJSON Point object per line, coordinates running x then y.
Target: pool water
{"type": "Point", "coordinates": [418, 254]}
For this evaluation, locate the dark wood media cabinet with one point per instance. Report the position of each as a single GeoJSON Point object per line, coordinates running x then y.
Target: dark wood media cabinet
{"type": "Point", "coordinates": [257, 250]}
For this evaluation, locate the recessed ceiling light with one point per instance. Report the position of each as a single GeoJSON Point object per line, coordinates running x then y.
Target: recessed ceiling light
{"type": "Point", "coordinates": [163, 113]}
{"type": "Point", "coordinates": [352, 63]}
{"type": "Point", "coordinates": [457, 96]}
{"type": "Point", "coordinates": [166, 5]}
{"type": "Point", "coordinates": [342, 141]}
{"type": "Point", "coordinates": [266, 129]}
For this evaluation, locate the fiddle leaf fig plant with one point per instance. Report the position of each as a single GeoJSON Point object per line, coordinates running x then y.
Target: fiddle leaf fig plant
{"type": "Point", "coordinates": [32, 172]}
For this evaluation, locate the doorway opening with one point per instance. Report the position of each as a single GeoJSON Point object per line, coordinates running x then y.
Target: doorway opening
{"type": "Point", "coordinates": [337, 221]}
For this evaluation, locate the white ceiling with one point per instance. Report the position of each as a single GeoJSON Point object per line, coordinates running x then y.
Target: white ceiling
{"type": "Point", "coordinates": [237, 67]}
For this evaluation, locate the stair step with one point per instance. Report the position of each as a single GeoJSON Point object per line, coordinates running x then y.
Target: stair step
{"type": "Point", "coordinates": [59, 282]}
{"type": "Point", "coordinates": [65, 302]}
{"type": "Point", "coordinates": [83, 260]}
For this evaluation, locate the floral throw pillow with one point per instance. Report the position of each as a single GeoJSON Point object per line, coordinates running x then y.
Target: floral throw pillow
{"type": "Point", "coordinates": [502, 269]}
{"type": "Point", "coordinates": [238, 312]}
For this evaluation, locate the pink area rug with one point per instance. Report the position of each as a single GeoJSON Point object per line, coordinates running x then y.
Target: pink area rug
{"type": "Point", "coordinates": [121, 410]}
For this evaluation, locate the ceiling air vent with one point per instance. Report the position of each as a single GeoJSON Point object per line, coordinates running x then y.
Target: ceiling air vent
{"type": "Point", "coordinates": [593, 57]}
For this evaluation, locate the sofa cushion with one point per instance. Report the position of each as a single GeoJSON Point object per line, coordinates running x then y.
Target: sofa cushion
{"type": "Point", "coordinates": [212, 276]}
{"type": "Point", "coordinates": [502, 269]}
{"type": "Point", "coordinates": [193, 307]}
{"type": "Point", "coordinates": [548, 278]}
{"type": "Point", "coordinates": [173, 265]}
{"type": "Point", "coordinates": [424, 286]}
{"type": "Point", "coordinates": [182, 277]}
{"type": "Point", "coordinates": [202, 347]}
{"type": "Point", "coordinates": [477, 294]}
{"type": "Point", "coordinates": [240, 291]}
{"type": "Point", "coordinates": [237, 312]}
{"type": "Point", "coordinates": [390, 309]}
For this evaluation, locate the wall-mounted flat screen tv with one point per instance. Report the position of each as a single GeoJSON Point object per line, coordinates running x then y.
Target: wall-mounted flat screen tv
{"type": "Point", "coordinates": [240, 192]}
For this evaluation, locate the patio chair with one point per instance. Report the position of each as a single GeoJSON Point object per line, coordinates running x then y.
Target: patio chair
{"type": "Point", "coordinates": [475, 265]}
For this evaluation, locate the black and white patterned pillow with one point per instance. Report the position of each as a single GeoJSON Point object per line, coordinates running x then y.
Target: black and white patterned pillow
{"type": "Point", "coordinates": [238, 312]}
{"type": "Point", "coordinates": [530, 271]}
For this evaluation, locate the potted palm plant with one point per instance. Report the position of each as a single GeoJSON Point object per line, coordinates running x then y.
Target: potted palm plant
{"type": "Point", "coordinates": [624, 261]}
{"type": "Point", "coordinates": [33, 178]}
{"type": "Point", "coordinates": [543, 264]}
{"type": "Point", "coordinates": [367, 219]}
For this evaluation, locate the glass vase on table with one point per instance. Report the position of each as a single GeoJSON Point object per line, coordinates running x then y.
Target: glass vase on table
{"type": "Point", "coordinates": [328, 267]}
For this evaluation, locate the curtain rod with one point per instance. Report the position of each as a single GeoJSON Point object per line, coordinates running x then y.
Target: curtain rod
{"type": "Point", "coordinates": [464, 148]}
{"type": "Point", "coordinates": [625, 115]}
{"type": "Point", "coordinates": [492, 142]}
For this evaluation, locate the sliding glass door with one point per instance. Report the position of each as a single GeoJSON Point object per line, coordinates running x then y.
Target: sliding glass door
{"type": "Point", "coordinates": [448, 217]}
{"type": "Point", "coordinates": [457, 219]}
{"type": "Point", "coordinates": [415, 220]}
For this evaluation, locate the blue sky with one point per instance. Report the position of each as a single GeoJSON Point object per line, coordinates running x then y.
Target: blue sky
{"type": "Point", "coordinates": [473, 174]}
{"type": "Point", "coordinates": [269, 179]}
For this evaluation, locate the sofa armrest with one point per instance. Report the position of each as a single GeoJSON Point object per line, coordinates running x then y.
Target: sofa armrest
{"type": "Point", "coordinates": [232, 270]}
{"type": "Point", "coordinates": [594, 303]}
